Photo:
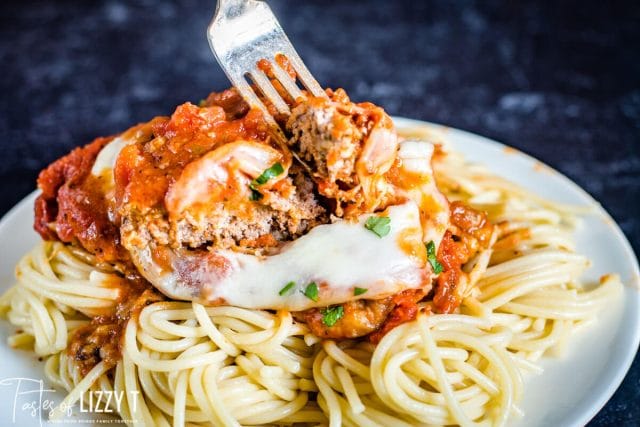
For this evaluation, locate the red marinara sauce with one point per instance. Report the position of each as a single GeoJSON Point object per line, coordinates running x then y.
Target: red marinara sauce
{"type": "Point", "coordinates": [470, 232]}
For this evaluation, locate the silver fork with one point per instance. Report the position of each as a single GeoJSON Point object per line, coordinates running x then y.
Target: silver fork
{"type": "Point", "coordinates": [244, 32]}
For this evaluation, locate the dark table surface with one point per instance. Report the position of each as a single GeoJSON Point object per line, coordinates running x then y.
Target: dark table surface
{"type": "Point", "coordinates": [559, 82]}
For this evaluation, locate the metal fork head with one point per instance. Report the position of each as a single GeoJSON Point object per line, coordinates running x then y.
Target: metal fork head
{"type": "Point", "coordinates": [244, 32]}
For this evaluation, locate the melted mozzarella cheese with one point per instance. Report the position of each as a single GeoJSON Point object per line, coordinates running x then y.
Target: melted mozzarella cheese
{"type": "Point", "coordinates": [416, 157]}
{"type": "Point", "coordinates": [337, 257]}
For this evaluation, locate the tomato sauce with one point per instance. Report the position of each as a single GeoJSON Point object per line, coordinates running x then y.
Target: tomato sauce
{"type": "Point", "coordinates": [72, 207]}
{"type": "Point", "coordinates": [145, 170]}
{"type": "Point", "coordinates": [102, 338]}
{"type": "Point", "coordinates": [471, 232]}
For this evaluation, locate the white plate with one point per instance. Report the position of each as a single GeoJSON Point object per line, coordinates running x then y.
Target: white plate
{"type": "Point", "coordinates": [569, 393]}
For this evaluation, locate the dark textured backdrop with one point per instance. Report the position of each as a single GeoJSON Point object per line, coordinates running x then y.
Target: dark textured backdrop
{"type": "Point", "coordinates": [559, 82]}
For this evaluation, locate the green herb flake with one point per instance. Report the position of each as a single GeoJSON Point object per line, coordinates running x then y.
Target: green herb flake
{"type": "Point", "coordinates": [331, 315]}
{"type": "Point", "coordinates": [359, 291]}
{"type": "Point", "coordinates": [202, 103]}
{"type": "Point", "coordinates": [268, 174]}
{"type": "Point", "coordinates": [255, 194]}
{"type": "Point", "coordinates": [431, 257]}
{"type": "Point", "coordinates": [379, 225]}
{"type": "Point", "coordinates": [286, 289]}
{"type": "Point", "coordinates": [311, 291]}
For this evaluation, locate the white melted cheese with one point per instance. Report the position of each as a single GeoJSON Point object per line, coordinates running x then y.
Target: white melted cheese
{"type": "Point", "coordinates": [416, 158]}
{"type": "Point", "coordinates": [337, 257]}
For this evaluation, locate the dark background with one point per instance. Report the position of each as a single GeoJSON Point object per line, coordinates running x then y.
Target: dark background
{"type": "Point", "coordinates": [560, 82]}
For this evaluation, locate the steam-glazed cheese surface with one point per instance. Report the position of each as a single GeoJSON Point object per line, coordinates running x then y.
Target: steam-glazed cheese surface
{"type": "Point", "coordinates": [336, 257]}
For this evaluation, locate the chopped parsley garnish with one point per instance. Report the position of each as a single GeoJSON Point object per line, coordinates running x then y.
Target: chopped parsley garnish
{"type": "Point", "coordinates": [255, 195]}
{"type": "Point", "coordinates": [311, 291]}
{"type": "Point", "coordinates": [265, 176]}
{"type": "Point", "coordinates": [331, 315]}
{"type": "Point", "coordinates": [268, 174]}
{"type": "Point", "coordinates": [431, 257]}
{"type": "Point", "coordinates": [202, 103]}
{"type": "Point", "coordinates": [359, 291]}
{"type": "Point", "coordinates": [379, 225]}
{"type": "Point", "coordinates": [286, 288]}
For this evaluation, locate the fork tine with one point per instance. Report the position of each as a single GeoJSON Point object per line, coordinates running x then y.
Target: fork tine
{"type": "Point", "coordinates": [250, 97]}
{"type": "Point", "coordinates": [304, 74]}
{"type": "Point", "coordinates": [244, 32]}
{"type": "Point", "coordinates": [263, 82]}
{"type": "Point", "coordinates": [286, 81]}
